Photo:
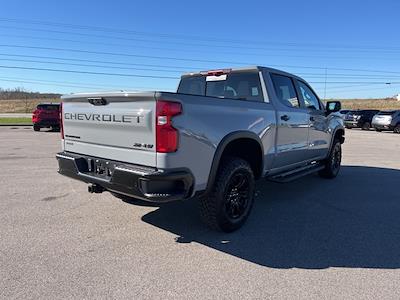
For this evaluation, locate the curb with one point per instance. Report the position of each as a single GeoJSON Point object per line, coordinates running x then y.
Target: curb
{"type": "Point", "coordinates": [9, 124]}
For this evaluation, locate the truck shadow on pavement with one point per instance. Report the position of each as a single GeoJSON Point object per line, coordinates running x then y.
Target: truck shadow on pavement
{"type": "Point", "coordinates": [312, 223]}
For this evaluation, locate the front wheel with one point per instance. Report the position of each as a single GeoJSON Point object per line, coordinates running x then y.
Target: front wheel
{"type": "Point", "coordinates": [36, 128]}
{"type": "Point", "coordinates": [332, 163]}
{"type": "Point", "coordinates": [229, 203]}
{"type": "Point", "coordinates": [397, 129]}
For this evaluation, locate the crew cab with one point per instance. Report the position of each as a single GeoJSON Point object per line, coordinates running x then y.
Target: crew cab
{"type": "Point", "coordinates": [212, 139]}
{"type": "Point", "coordinates": [46, 115]}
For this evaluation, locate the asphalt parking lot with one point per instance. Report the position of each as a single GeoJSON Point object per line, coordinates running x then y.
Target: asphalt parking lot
{"type": "Point", "coordinates": [312, 238]}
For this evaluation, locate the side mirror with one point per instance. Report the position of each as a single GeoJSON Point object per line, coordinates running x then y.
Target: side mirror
{"type": "Point", "coordinates": [333, 106]}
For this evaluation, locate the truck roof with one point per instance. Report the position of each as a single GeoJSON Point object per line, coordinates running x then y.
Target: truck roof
{"type": "Point", "coordinates": [245, 68]}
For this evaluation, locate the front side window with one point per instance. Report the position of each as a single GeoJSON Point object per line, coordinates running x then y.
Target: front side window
{"type": "Point", "coordinates": [310, 99]}
{"type": "Point", "coordinates": [285, 91]}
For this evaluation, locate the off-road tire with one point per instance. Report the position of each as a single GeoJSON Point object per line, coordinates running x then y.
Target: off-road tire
{"type": "Point", "coordinates": [332, 163]}
{"type": "Point", "coordinates": [397, 129]}
{"type": "Point", "coordinates": [217, 209]}
{"type": "Point", "coordinates": [366, 126]}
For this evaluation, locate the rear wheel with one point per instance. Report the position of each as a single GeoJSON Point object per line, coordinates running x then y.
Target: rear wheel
{"type": "Point", "coordinates": [366, 126]}
{"type": "Point", "coordinates": [397, 129]}
{"type": "Point", "coordinates": [229, 203]}
{"type": "Point", "coordinates": [348, 127]}
{"type": "Point", "coordinates": [36, 128]}
{"type": "Point", "coordinates": [332, 163]}
{"type": "Point", "coordinates": [378, 130]}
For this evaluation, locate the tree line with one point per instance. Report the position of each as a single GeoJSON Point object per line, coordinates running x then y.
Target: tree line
{"type": "Point", "coordinates": [20, 93]}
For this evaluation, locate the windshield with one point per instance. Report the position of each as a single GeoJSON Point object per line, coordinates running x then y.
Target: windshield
{"type": "Point", "coordinates": [235, 85]}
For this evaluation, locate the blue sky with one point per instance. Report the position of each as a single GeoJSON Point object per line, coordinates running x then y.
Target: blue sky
{"type": "Point", "coordinates": [352, 45]}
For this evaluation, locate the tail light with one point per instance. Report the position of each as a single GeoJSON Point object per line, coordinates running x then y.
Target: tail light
{"type": "Point", "coordinates": [61, 121]}
{"type": "Point", "coordinates": [166, 134]}
{"type": "Point", "coordinates": [35, 116]}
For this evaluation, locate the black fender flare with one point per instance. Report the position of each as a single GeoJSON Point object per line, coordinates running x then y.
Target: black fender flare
{"type": "Point", "coordinates": [333, 137]}
{"type": "Point", "coordinates": [220, 150]}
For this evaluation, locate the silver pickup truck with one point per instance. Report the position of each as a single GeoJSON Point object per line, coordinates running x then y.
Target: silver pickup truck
{"type": "Point", "coordinates": [212, 139]}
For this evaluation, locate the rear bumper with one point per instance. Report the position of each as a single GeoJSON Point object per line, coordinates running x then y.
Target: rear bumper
{"type": "Point", "coordinates": [145, 183]}
{"type": "Point", "coordinates": [382, 126]}
{"type": "Point", "coordinates": [47, 123]}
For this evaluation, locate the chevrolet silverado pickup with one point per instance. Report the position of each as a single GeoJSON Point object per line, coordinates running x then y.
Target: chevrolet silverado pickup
{"type": "Point", "coordinates": [212, 139]}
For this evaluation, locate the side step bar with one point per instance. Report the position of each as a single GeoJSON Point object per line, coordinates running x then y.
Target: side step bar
{"type": "Point", "coordinates": [296, 173]}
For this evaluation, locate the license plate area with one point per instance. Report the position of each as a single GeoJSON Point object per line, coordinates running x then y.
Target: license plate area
{"type": "Point", "coordinates": [100, 168]}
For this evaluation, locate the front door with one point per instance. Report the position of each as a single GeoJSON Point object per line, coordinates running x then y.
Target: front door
{"type": "Point", "coordinates": [319, 134]}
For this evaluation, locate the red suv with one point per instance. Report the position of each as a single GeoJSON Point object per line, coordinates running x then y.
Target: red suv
{"type": "Point", "coordinates": [46, 116]}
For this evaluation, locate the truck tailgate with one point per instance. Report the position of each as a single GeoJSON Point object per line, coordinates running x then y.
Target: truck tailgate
{"type": "Point", "coordinates": [116, 126]}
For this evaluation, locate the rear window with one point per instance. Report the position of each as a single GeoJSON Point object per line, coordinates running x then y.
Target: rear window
{"type": "Point", "coordinates": [48, 106]}
{"type": "Point", "coordinates": [235, 85]}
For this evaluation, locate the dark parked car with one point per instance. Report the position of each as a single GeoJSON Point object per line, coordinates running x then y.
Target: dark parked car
{"type": "Point", "coordinates": [360, 118]}
{"type": "Point", "coordinates": [46, 115]}
{"type": "Point", "coordinates": [387, 120]}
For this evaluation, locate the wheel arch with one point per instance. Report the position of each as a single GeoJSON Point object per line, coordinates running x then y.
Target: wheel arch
{"type": "Point", "coordinates": [337, 133]}
{"type": "Point", "coordinates": [224, 147]}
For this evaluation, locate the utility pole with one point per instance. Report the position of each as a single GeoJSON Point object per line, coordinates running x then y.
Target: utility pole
{"type": "Point", "coordinates": [326, 76]}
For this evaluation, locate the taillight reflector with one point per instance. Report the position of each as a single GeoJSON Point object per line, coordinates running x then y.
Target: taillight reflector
{"type": "Point", "coordinates": [61, 120]}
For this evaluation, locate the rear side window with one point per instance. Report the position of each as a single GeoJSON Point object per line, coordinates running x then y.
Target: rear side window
{"type": "Point", "coordinates": [235, 85]}
{"type": "Point", "coordinates": [285, 91]}
{"type": "Point", "coordinates": [242, 86]}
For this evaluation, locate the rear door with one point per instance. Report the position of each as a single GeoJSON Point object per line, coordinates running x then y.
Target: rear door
{"type": "Point", "coordinates": [319, 136]}
{"type": "Point", "coordinates": [292, 123]}
{"type": "Point", "coordinates": [117, 126]}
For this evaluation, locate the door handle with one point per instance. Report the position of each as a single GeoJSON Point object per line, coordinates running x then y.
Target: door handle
{"type": "Point", "coordinates": [285, 118]}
